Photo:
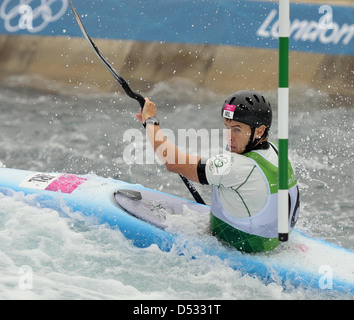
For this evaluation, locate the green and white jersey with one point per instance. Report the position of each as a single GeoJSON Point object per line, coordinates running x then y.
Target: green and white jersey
{"type": "Point", "coordinates": [245, 191]}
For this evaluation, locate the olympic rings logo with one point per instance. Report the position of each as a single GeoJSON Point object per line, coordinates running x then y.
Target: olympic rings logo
{"type": "Point", "coordinates": [220, 165]}
{"type": "Point", "coordinates": [19, 14]}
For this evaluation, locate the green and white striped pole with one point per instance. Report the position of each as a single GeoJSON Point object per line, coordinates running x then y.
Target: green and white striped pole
{"type": "Point", "coordinates": [283, 121]}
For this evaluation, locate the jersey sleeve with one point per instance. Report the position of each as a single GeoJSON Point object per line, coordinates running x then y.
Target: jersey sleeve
{"type": "Point", "coordinates": [229, 170]}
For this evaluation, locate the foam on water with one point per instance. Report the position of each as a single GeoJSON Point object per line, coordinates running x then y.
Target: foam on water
{"type": "Point", "coordinates": [71, 259]}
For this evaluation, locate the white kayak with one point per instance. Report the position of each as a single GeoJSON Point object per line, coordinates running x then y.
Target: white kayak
{"type": "Point", "coordinates": [148, 217]}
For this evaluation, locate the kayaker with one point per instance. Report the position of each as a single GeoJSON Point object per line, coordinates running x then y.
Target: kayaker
{"type": "Point", "coordinates": [244, 179]}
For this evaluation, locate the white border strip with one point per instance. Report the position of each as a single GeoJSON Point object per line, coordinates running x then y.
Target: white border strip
{"type": "Point", "coordinates": [283, 113]}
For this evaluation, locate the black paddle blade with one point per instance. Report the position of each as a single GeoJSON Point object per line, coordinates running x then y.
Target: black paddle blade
{"type": "Point", "coordinates": [110, 68]}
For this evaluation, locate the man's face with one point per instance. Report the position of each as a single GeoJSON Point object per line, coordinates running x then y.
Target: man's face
{"type": "Point", "coordinates": [238, 135]}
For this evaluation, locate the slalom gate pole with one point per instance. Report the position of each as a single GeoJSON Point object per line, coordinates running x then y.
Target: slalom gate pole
{"type": "Point", "coordinates": [283, 119]}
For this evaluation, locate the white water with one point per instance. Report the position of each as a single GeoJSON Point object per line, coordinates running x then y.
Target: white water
{"type": "Point", "coordinates": [71, 257]}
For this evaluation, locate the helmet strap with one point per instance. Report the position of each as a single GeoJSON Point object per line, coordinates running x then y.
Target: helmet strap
{"type": "Point", "coordinates": [251, 144]}
{"type": "Point", "coordinates": [254, 144]}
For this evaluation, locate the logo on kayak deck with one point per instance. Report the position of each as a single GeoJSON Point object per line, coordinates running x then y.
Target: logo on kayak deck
{"type": "Point", "coordinates": [56, 182]}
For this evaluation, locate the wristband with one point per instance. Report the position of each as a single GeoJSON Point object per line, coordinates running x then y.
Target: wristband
{"type": "Point", "coordinates": [154, 120]}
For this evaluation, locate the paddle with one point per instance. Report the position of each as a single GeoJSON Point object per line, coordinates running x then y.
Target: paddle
{"type": "Point", "coordinates": [129, 92]}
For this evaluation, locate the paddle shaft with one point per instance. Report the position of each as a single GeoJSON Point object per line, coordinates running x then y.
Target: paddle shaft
{"type": "Point", "coordinates": [129, 92]}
